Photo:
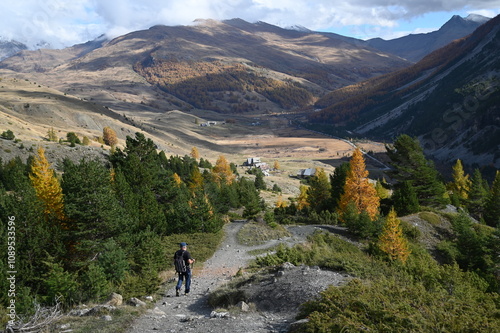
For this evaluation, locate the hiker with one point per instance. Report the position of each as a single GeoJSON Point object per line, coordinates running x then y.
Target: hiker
{"type": "Point", "coordinates": [182, 262]}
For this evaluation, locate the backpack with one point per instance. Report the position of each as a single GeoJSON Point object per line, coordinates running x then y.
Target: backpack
{"type": "Point", "coordinates": [179, 263]}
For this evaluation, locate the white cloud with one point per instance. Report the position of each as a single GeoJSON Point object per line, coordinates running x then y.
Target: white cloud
{"type": "Point", "coordinates": [65, 22]}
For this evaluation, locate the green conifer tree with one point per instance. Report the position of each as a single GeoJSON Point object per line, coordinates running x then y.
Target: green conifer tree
{"type": "Point", "coordinates": [337, 183]}
{"type": "Point", "coordinates": [319, 191]}
{"type": "Point", "coordinates": [477, 195]}
{"type": "Point", "coordinates": [492, 206]}
{"type": "Point", "coordinates": [93, 212]}
{"type": "Point", "coordinates": [410, 164]}
{"type": "Point", "coordinates": [259, 183]}
{"type": "Point", "coordinates": [405, 199]}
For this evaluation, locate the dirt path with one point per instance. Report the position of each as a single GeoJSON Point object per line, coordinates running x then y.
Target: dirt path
{"type": "Point", "coordinates": [193, 314]}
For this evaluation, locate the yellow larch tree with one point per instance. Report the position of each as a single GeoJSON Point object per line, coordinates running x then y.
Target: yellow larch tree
{"type": "Point", "coordinates": [222, 171]}
{"type": "Point", "coordinates": [357, 188]}
{"type": "Point", "coordinates": [281, 203]}
{"type": "Point", "coordinates": [46, 185]}
{"type": "Point", "coordinates": [177, 180]}
{"type": "Point", "coordinates": [196, 180]}
{"type": "Point", "coordinates": [392, 240]}
{"type": "Point", "coordinates": [109, 136]}
{"type": "Point", "coordinates": [302, 198]}
{"type": "Point", "coordinates": [276, 165]}
{"type": "Point", "coordinates": [195, 153]}
{"type": "Point", "coordinates": [461, 183]}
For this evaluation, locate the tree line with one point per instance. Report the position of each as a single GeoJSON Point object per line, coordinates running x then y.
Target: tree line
{"type": "Point", "coordinates": [370, 209]}
{"type": "Point", "coordinates": [88, 228]}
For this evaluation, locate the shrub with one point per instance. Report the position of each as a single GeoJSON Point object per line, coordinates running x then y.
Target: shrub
{"type": "Point", "coordinates": [430, 217]}
{"type": "Point", "coordinates": [8, 135]}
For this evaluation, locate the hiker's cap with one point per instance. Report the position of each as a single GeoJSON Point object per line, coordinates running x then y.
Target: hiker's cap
{"type": "Point", "coordinates": [183, 244]}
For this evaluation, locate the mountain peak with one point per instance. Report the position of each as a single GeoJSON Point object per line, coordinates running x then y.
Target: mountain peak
{"type": "Point", "coordinates": [477, 18]}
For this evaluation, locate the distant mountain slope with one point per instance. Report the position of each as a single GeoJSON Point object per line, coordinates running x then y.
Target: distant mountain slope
{"type": "Point", "coordinates": [416, 46]}
{"type": "Point", "coordinates": [228, 66]}
{"type": "Point", "coordinates": [450, 100]}
{"type": "Point", "coordinates": [9, 48]}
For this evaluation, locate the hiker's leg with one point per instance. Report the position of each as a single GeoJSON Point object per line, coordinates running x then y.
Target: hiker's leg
{"type": "Point", "coordinates": [179, 283]}
{"type": "Point", "coordinates": [188, 281]}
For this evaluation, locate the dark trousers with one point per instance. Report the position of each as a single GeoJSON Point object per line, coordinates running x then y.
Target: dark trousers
{"type": "Point", "coordinates": [183, 276]}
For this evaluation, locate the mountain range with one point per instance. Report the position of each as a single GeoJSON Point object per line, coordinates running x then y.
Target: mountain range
{"type": "Point", "coordinates": [234, 67]}
{"type": "Point", "coordinates": [449, 100]}
{"type": "Point", "coordinates": [416, 46]}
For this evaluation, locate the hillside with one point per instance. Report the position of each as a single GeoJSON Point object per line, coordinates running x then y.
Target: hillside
{"type": "Point", "coordinates": [449, 100]}
{"type": "Point", "coordinates": [149, 70]}
{"type": "Point", "coordinates": [9, 48]}
{"type": "Point", "coordinates": [416, 46]}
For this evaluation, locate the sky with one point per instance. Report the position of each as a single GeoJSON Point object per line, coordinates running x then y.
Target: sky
{"type": "Point", "coordinates": [62, 23]}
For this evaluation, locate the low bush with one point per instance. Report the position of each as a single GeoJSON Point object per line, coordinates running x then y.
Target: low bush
{"type": "Point", "coordinates": [255, 233]}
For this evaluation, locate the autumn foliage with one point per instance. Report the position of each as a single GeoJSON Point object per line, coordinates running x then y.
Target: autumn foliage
{"type": "Point", "coordinates": [47, 187]}
{"type": "Point", "coordinates": [109, 136]}
{"type": "Point", "coordinates": [357, 188]}
{"type": "Point", "coordinates": [222, 171]}
{"type": "Point", "coordinates": [392, 240]}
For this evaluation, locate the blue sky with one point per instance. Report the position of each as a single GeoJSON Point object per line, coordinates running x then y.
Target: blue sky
{"type": "Point", "coordinates": [67, 22]}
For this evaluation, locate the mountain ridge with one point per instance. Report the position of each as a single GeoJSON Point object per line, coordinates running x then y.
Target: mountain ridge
{"type": "Point", "coordinates": [431, 100]}
{"type": "Point", "coordinates": [414, 47]}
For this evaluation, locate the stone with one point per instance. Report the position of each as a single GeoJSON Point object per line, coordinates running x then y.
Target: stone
{"type": "Point", "coordinates": [297, 326]}
{"type": "Point", "coordinates": [136, 302]}
{"type": "Point", "coordinates": [114, 299]}
{"type": "Point", "coordinates": [79, 312]}
{"type": "Point", "coordinates": [156, 312]}
{"type": "Point", "coordinates": [287, 265]}
{"type": "Point", "coordinates": [215, 314]}
{"type": "Point", "coordinates": [149, 298]}
{"type": "Point", "coordinates": [107, 318]}
{"type": "Point", "coordinates": [243, 306]}
{"type": "Point", "coordinates": [100, 310]}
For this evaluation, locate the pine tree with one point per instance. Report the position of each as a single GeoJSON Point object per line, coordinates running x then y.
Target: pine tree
{"type": "Point", "coordinates": [249, 197]}
{"type": "Point", "coordinates": [337, 183]}
{"type": "Point", "coordinates": [477, 195]}
{"type": "Point", "coordinates": [109, 136]}
{"type": "Point", "coordinates": [47, 187]}
{"type": "Point", "coordinates": [461, 183]}
{"type": "Point", "coordinates": [259, 182]}
{"type": "Point", "coordinates": [405, 199]}
{"type": "Point", "coordinates": [392, 240]}
{"type": "Point", "coordinates": [358, 189]}
{"type": "Point", "coordinates": [93, 211]}
{"type": "Point", "coordinates": [409, 164]}
{"type": "Point", "coordinates": [318, 193]}
{"type": "Point", "coordinates": [492, 206]}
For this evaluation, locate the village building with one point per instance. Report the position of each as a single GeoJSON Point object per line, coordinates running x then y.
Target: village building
{"type": "Point", "coordinates": [306, 173]}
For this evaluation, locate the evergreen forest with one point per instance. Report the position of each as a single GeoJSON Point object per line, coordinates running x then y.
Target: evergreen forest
{"type": "Point", "coordinates": [83, 230]}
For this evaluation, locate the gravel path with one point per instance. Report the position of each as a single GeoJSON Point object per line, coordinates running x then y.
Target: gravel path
{"type": "Point", "coordinates": [274, 309]}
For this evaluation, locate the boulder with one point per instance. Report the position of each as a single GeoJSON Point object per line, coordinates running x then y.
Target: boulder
{"type": "Point", "coordinates": [243, 306]}
{"type": "Point", "coordinates": [114, 299]}
{"type": "Point", "coordinates": [136, 302]}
